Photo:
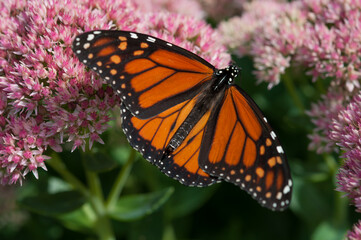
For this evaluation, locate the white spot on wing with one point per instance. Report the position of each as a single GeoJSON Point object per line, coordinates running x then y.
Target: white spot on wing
{"type": "Point", "coordinates": [150, 39]}
{"type": "Point", "coordinates": [90, 37]}
{"type": "Point", "coordinates": [133, 35]}
{"type": "Point", "coordinates": [279, 149]}
{"type": "Point", "coordinates": [97, 32]}
{"type": "Point", "coordinates": [279, 195]}
{"type": "Point", "coordinates": [273, 135]}
{"type": "Point", "coordinates": [286, 189]}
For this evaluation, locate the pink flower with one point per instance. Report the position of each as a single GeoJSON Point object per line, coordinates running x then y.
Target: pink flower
{"type": "Point", "coordinates": [355, 234]}
{"type": "Point", "coordinates": [42, 84]}
{"type": "Point", "coordinates": [349, 177]}
{"type": "Point", "coordinates": [47, 97]}
{"type": "Point", "coordinates": [346, 127]}
{"type": "Point", "coordinates": [183, 7]}
{"type": "Point", "coordinates": [322, 116]}
{"type": "Point", "coordinates": [271, 32]}
{"type": "Point", "coordinates": [321, 35]}
{"type": "Point", "coordinates": [239, 31]}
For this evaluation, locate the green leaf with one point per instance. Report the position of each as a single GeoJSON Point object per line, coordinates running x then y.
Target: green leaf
{"type": "Point", "coordinates": [130, 208]}
{"type": "Point", "coordinates": [327, 231]}
{"type": "Point", "coordinates": [121, 153]}
{"type": "Point", "coordinates": [151, 227]}
{"type": "Point", "coordinates": [309, 202]}
{"type": "Point", "coordinates": [99, 162]}
{"type": "Point", "coordinates": [54, 204]}
{"type": "Point", "coordinates": [186, 200]}
{"type": "Point", "coordinates": [81, 220]}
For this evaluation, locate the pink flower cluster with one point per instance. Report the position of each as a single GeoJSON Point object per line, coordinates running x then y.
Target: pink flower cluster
{"type": "Point", "coordinates": [355, 234]}
{"type": "Point", "coordinates": [269, 31]}
{"type": "Point", "coordinates": [323, 36]}
{"type": "Point", "coordinates": [346, 132]}
{"type": "Point", "coordinates": [47, 97]}
{"type": "Point", "coordinates": [184, 7]}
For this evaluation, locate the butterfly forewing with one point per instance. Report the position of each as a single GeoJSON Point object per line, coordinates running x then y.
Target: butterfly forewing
{"type": "Point", "coordinates": [149, 74]}
{"type": "Point", "coordinates": [240, 147]}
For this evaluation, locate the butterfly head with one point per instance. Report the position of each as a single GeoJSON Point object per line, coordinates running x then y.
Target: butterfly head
{"type": "Point", "coordinates": [226, 76]}
{"type": "Point", "coordinates": [233, 72]}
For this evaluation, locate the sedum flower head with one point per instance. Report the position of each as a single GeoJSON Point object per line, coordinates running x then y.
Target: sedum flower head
{"type": "Point", "coordinates": [190, 8]}
{"type": "Point", "coordinates": [270, 32]}
{"type": "Point", "coordinates": [323, 36]}
{"type": "Point", "coordinates": [355, 234]}
{"type": "Point", "coordinates": [47, 97]}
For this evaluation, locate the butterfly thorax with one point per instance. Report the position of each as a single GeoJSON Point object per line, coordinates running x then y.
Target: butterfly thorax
{"type": "Point", "coordinates": [211, 95]}
{"type": "Point", "coordinates": [224, 77]}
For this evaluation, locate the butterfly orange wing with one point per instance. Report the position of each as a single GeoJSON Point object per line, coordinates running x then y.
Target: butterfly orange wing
{"type": "Point", "coordinates": [151, 137]}
{"type": "Point", "coordinates": [149, 74]}
{"type": "Point", "coordinates": [240, 147]}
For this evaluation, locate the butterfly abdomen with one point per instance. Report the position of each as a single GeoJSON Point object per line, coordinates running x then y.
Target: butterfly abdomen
{"type": "Point", "coordinates": [182, 132]}
{"type": "Point", "coordinates": [205, 102]}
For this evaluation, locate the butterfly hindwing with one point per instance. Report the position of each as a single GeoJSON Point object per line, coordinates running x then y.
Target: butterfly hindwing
{"type": "Point", "coordinates": [240, 147]}
{"type": "Point", "coordinates": [151, 137]}
{"type": "Point", "coordinates": [149, 74]}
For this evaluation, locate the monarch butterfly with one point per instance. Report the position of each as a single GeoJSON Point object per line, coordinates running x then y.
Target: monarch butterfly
{"type": "Point", "coordinates": [187, 117]}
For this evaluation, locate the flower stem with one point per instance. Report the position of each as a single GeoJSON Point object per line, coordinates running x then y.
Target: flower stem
{"type": "Point", "coordinates": [292, 91]}
{"type": "Point", "coordinates": [120, 181]}
{"type": "Point", "coordinates": [340, 212]}
{"type": "Point", "coordinates": [102, 226]}
{"type": "Point", "coordinates": [340, 209]}
{"type": "Point", "coordinates": [56, 163]}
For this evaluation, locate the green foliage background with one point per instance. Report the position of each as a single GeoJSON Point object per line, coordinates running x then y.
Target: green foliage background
{"type": "Point", "coordinates": [152, 206]}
